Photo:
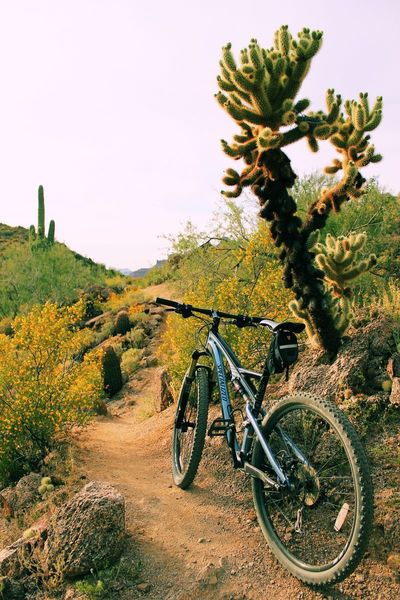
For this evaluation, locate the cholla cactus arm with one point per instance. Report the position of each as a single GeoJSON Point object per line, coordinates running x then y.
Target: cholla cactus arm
{"type": "Point", "coordinates": [303, 315]}
{"type": "Point", "coordinates": [341, 262]}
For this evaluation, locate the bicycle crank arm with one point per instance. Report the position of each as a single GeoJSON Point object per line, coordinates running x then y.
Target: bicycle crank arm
{"type": "Point", "coordinates": [254, 472]}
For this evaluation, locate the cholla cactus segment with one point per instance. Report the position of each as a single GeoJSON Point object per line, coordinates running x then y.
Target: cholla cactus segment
{"type": "Point", "coordinates": [340, 260]}
{"type": "Point", "coordinates": [259, 92]}
{"type": "Point", "coordinates": [303, 315]}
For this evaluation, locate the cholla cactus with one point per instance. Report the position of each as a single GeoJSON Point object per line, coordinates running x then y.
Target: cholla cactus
{"type": "Point", "coordinates": [260, 94]}
{"type": "Point", "coordinates": [341, 262]}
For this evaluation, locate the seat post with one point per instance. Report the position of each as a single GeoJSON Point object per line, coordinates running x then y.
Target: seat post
{"type": "Point", "coordinates": [262, 387]}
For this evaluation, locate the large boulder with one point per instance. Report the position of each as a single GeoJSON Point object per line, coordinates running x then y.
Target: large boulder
{"type": "Point", "coordinates": [23, 494]}
{"type": "Point", "coordinates": [360, 366]}
{"type": "Point", "coordinates": [88, 531]}
{"type": "Point", "coordinates": [163, 397]}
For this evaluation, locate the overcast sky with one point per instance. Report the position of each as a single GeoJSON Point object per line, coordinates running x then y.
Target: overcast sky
{"type": "Point", "coordinates": [109, 104]}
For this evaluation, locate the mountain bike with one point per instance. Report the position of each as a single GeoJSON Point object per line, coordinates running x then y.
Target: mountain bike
{"type": "Point", "coordinates": [310, 478]}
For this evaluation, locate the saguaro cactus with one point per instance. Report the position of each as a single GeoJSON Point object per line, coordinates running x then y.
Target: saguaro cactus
{"type": "Point", "coordinates": [341, 262]}
{"type": "Point", "coordinates": [38, 237]}
{"type": "Point", "coordinates": [41, 213]}
{"type": "Point", "coordinates": [260, 94]}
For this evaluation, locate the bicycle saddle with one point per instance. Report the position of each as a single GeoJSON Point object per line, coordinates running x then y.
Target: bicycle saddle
{"type": "Point", "coordinates": [283, 326]}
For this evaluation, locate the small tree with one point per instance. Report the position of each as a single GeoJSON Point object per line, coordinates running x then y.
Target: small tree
{"type": "Point", "coordinates": [260, 95]}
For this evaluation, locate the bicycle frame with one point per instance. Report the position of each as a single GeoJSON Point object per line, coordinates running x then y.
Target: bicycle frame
{"type": "Point", "coordinates": [218, 350]}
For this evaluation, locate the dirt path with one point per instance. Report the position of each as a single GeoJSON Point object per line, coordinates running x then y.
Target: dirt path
{"type": "Point", "coordinates": [202, 543]}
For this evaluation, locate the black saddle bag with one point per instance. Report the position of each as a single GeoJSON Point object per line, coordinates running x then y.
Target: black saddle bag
{"type": "Point", "coordinates": [283, 352]}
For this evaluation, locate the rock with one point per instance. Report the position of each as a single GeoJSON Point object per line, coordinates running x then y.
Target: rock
{"type": "Point", "coordinates": [144, 587]}
{"type": "Point", "coordinates": [151, 361]}
{"type": "Point", "coordinates": [88, 531]}
{"type": "Point", "coordinates": [393, 366]}
{"type": "Point", "coordinates": [24, 494]}
{"type": "Point", "coordinates": [360, 365]}
{"type": "Point", "coordinates": [96, 322]}
{"type": "Point", "coordinates": [163, 397]}
{"type": "Point", "coordinates": [393, 562]}
{"type": "Point", "coordinates": [394, 397]}
{"type": "Point", "coordinates": [10, 557]}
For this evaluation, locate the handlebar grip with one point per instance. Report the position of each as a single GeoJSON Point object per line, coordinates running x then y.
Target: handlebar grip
{"type": "Point", "coordinates": [167, 302]}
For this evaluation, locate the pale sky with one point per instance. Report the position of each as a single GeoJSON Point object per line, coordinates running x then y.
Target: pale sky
{"type": "Point", "coordinates": [109, 104]}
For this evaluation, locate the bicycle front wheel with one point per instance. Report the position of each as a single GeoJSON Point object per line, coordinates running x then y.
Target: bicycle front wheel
{"type": "Point", "coordinates": [190, 427]}
{"type": "Point", "coordinates": [320, 528]}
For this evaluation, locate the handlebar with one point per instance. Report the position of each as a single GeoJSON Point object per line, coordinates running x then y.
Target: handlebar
{"type": "Point", "coordinates": [187, 310]}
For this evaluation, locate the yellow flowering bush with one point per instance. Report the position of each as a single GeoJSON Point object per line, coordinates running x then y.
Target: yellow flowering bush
{"type": "Point", "coordinates": [248, 280]}
{"type": "Point", "coordinates": [45, 386]}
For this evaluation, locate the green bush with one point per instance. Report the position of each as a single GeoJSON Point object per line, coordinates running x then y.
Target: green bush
{"type": "Point", "coordinates": [130, 361]}
{"type": "Point", "coordinates": [136, 338]}
{"type": "Point", "coordinates": [34, 277]}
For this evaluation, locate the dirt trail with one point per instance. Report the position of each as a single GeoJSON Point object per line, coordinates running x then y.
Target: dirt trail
{"type": "Point", "coordinates": [202, 543]}
{"type": "Point", "coordinates": [188, 541]}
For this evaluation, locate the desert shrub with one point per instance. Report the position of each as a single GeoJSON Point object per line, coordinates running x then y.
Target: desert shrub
{"type": "Point", "coordinates": [135, 338]}
{"type": "Point", "coordinates": [118, 282]}
{"type": "Point", "coordinates": [122, 324]}
{"type": "Point", "coordinates": [112, 376]}
{"type": "Point", "coordinates": [241, 275]}
{"type": "Point", "coordinates": [129, 296]}
{"type": "Point", "coordinates": [44, 388]}
{"type": "Point", "coordinates": [130, 360]}
{"type": "Point", "coordinates": [91, 305]}
{"type": "Point", "coordinates": [6, 326]}
{"type": "Point", "coordinates": [136, 315]}
{"type": "Point", "coordinates": [106, 330]}
{"type": "Point", "coordinates": [377, 213]}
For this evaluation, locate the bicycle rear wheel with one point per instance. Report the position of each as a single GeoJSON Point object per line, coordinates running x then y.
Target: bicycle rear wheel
{"type": "Point", "coordinates": [190, 427]}
{"type": "Point", "coordinates": [320, 529]}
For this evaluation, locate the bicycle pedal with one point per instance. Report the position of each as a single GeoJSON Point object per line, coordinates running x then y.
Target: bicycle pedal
{"type": "Point", "coordinates": [219, 427]}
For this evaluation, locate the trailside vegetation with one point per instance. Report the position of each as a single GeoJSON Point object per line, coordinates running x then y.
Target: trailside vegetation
{"type": "Point", "coordinates": [46, 387]}
{"type": "Point", "coordinates": [260, 93]}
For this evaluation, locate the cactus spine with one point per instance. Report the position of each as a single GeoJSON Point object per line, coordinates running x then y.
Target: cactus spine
{"type": "Point", "coordinates": [260, 94]}
{"type": "Point", "coordinates": [38, 236]}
